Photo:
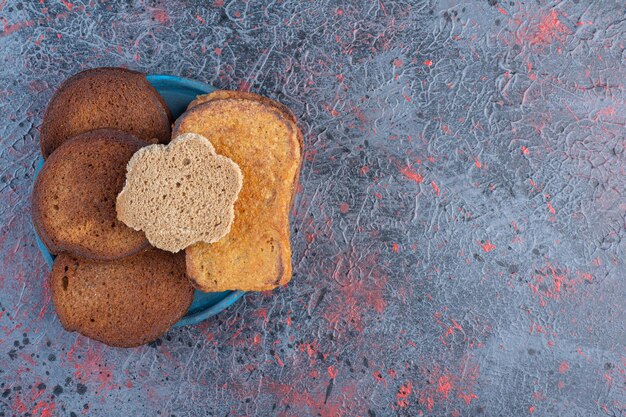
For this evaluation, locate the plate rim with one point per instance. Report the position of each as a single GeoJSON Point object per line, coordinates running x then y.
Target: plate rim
{"type": "Point", "coordinates": [187, 319]}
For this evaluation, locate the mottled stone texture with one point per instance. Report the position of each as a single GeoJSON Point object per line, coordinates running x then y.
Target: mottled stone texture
{"type": "Point", "coordinates": [458, 238]}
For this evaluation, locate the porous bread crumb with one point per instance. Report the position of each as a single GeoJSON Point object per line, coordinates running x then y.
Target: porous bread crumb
{"type": "Point", "coordinates": [180, 194]}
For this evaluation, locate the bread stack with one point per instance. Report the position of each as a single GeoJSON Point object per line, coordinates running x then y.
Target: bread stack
{"type": "Point", "coordinates": [137, 221]}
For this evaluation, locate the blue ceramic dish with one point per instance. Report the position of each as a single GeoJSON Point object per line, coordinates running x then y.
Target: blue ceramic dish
{"type": "Point", "coordinates": [178, 93]}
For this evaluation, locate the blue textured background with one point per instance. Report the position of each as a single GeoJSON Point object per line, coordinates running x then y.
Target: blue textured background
{"type": "Point", "coordinates": [458, 239]}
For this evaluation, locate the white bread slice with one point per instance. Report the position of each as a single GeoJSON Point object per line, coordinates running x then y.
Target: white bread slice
{"type": "Point", "coordinates": [180, 193]}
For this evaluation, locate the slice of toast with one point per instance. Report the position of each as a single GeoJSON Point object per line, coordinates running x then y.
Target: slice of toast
{"type": "Point", "coordinates": [265, 143]}
{"type": "Point", "coordinates": [123, 303]}
{"type": "Point", "coordinates": [73, 201]}
{"type": "Point", "coordinates": [245, 95]}
{"type": "Point", "coordinates": [180, 193]}
{"type": "Point", "coordinates": [100, 98]}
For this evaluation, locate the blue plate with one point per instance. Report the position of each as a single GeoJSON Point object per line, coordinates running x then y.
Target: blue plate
{"type": "Point", "coordinates": [178, 93]}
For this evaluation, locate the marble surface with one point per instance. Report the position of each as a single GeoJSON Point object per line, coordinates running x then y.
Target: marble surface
{"type": "Point", "coordinates": [458, 237]}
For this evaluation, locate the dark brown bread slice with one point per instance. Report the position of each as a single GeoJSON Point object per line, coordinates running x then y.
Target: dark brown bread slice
{"type": "Point", "coordinates": [122, 303]}
{"type": "Point", "coordinates": [74, 197]}
{"type": "Point", "coordinates": [98, 98]}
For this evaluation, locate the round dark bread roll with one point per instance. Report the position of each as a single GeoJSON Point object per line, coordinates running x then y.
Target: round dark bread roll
{"type": "Point", "coordinates": [122, 303]}
{"type": "Point", "coordinates": [100, 98]}
{"type": "Point", "coordinates": [73, 202]}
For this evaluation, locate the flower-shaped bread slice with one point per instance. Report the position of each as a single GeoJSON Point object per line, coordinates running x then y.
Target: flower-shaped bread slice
{"type": "Point", "coordinates": [181, 193]}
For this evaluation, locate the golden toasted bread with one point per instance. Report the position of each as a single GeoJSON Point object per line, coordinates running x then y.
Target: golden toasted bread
{"type": "Point", "coordinates": [244, 95]}
{"type": "Point", "coordinates": [124, 303]}
{"type": "Point", "coordinates": [99, 98]}
{"type": "Point", "coordinates": [256, 254]}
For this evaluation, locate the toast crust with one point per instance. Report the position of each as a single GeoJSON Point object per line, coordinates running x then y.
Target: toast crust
{"type": "Point", "coordinates": [99, 98]}
{"type": "Point", "coordinates": [265, 143]}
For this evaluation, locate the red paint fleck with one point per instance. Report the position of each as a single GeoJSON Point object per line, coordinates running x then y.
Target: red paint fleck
{"type": "Point", "coordinates": [478, 164]}
{"type": "Point", "coordinates": [257, 339]}
{"type": "Point", "coordinates": [402, 397]}
{"type": "Point", "coordinates": [334, 113]}
{"type": "Point", "coordinates": [137, 57]}
{"type": "Point", "coordinates": [538, 396]}
{"type": "Point", "coordinates": [444, 385]}
{"type": "Point", "coordinates": [560, 385]}
{"type": "Point", "coordinates": [332, 372]}
{"type": "Point", "coordinates": [218, 51]}
{"type": "Point", "coordinates": [487, 246]}
{"type": "Point", "coordinates": [428, 63]}
{"type": "Point", "coordinates": [397, 63]}
{"type": "Point", "coordinates": [395, 247]}
{"type": "Point", "coordinates": [360, 115]}
{"type": "Point", "coordinates": [379, 377]}
{"type": "Point", "coordinates": [218, 3]}
{"type": "Point", "coordinates": [67, 4]}
{"type": "Point", "coordinates": [7, 29]}
{"type": "Point", "coordinates": [339, 12]}
{"type": "Point", "coordinates": [430, 403]}
{"type": "Point", "coordinates": [467, 397]}
{"type": "Point", "coordinates": [441, 385]}
{"type": "Point", "coordinates": [289, 321]}
{"type": "Point", "coordinates": [262, 313]}
{"type": "Point", "coordinates": [551, 208]}
{"type": "Point", "coordinates": [445, 129]}
{"type": "Point", "coordinates": [525, 150]}
{"type": "Point", "coordinates": [18, 405]}
{"type": "Point", "coordinates": [243, 85]}
{"type": "Point", "coordinates": [161, 16]}
{"type": "Point", "coordinates": [563, 367]}
{"type": "Point", "coordinates": [282, 365]}
{"type": "Point", "coordinates": [200, 19]}
{"type": "Point", "coordinates": [46, 409]}
{"type": "Point", "coordinates": [540, 30]}
{"type": "Point", "coordinates": [364, 170]}
{"type": "Point", "coordinates": [531, 409]}
{"type": "Point", "coordinates": [435, 188]}
{"type": "Point", "coordinates": [344, 207]}
{"type": "Point", "coordinates": [412, 175]}
{"type": "Point", "coordinates": [551, 282]}
{"type": "Point", "coordinates": [501, 10]}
